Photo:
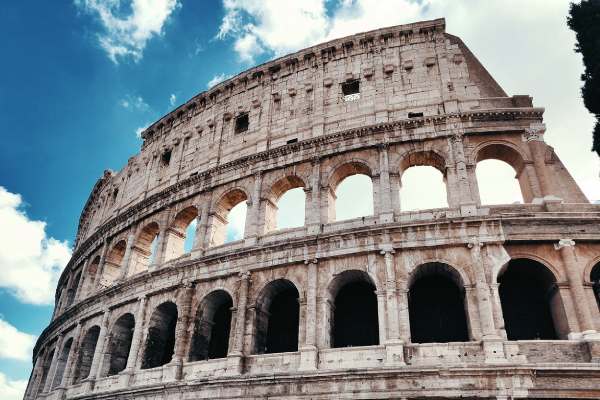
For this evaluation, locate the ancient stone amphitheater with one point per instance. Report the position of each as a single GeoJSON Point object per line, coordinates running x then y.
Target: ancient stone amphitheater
{"type": "Point", "coordinates": [467, 301]}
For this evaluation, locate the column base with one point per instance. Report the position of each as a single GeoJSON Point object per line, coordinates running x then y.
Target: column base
{"type": "Point", "coordinates": [468, 209]}
{"type": "Point", "coordinates": [394, 352]}
{"type": "Point", "coordinates": [386, 217]}
{"type": "Point", "coordinates": [250, 241]}
{"type": "Point", "coordinates": [309, 358]}
{"type": "Point", "coordinates": [594, 350]}
{"type": "Point", "coordinates": [88, 385]}
{"type": "Point", "coordinates": [313, 229]}
{"type": "Point", "coordinates": [493, 350]}
{"type": "Point", "coordinates": [235, 364]}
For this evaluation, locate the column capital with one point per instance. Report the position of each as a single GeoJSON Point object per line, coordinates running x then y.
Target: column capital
{"type": "Point", "coordinates": [475, 243]}
{"type": "Point", "coordinates": [564, 243]}
{"type": "Point", "coordinates": [244, 275]}
{"type": "Point", "coordinates": [311, 261]}
{"type": "Point", "coordinates": [535, 132]}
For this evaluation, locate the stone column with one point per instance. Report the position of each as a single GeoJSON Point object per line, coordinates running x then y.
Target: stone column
{"type": "Point", "coordinates": [82, 281]}
{"type": "Point", "coordinates": [534, 136]}
{"type": "Point", "coordinates": [134, 359]}
{"type": "Point", "coordinates": [161, 243]}
{"type": "Point", "coordinates": [381, 316]}
{"type": "Point", "coordinates": [253, 213]}
{"type": "Point", "coordinates": [386, 212]}
{"type": "Point", "coordinates": [125, 264]}
{"type": "Point", "coordinates": [566, 247]}
{"type": "Point", "coordinates": [464, 195]}
{"type": "Point", "coordinates": [201, 225]}
{"type": "Point", "coordinates": [55, 356]}
{"type": "Point", "coordinates": [73, 356]}
{"type": "Point", "coordinates": [182, 331]}
{"type": "Point", "coordinates": [484, 306]}
{"type": "Point", "coordinates": [497, 309]}
{"type": "Point", "coordinates": [313, 213]}
{"type": "Point", "coordinates": [100, 270]}
{"type": "Point", "coordinates": [394, 343]}
{"type": "Point", "coordinates": [99, 351]}
{"type": "Point", "coordinates": [236, 355]}
{"type": "Point", "coordinates": [308, 350]}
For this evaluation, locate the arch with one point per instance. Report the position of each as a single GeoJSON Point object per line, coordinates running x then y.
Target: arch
{"type": "Point", "coordinates": [72, 290]}
{"type": "Point", "coordinates": [144, 252]}
{"type": "Point", "coordinates": [219, 220]}
{"type": "Point", "coordinates": [160, 339]}
{"type": "Point", "coordinates": [86, 354]}
{"type": "Point", "coordinates": [279, 189]}
{"type": "Point", "coordinates": [277, 318]}
{"type": "Point", "coordinates": [511, 155]}
{"type": "Point", "coordinates": [61, 363]}
{"type": "Point", "coordinates": [595, 279]}
{"type": "Point", "coordinates": [422, 158]}
{"type": "Point", "coordinates": [47, 363]}
{"type": "Point", "coordinates": [347, 199]}
{"type": "Point", "coordinates": [436, 304]}
{"type": "Point", "coordinates": [119, 345]}
{"type": "Point", "coordinates": [113, 263]}
{"type": "Point", "coordinates": [212, 327]}
{"type": "Point", "coordinates": [423, 180]}
{"type": "Point", "coordinates": [531, 304]}
{"type": "Point", "coordinates": [355, 317]}
{"type": "Point", "coordinates": [182, 231]}
{"type": "Point", "coordinates": [91, 276]}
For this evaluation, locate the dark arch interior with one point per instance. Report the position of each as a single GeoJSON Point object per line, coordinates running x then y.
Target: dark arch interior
{"type": "Point", "coordinates": [160, 342]}
{"type": "Point", "coordinates": [62, 363]}
{"type": "Point", "coordinates": [277, 317]}
{"type": "Point", "coordinates": [527, 292]}
{"type": "Point", "coordinates": [212, 327]}
{"type": "Point", "coordinates": [86, 354]}
{"type": "Point", "coordinates": [73, 289]}
{"type": "Point", "coordinates": [45, 370]}
{"type": "Point", "coordinates": [595, 278]}
{"type": "Point", "coordinates": [355, 321]}
{"type": "Point", "coordinates": [120, 344]}
{"type": "Point", "coordinates": [436, 307]}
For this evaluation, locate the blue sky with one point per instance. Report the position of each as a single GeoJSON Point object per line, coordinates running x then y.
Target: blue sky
{"type": "Point", "coordinates": [79, 78]}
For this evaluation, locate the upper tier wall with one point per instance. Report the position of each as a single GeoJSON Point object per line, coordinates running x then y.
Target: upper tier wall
{"type": "Point", "coordinates": [401, 70]}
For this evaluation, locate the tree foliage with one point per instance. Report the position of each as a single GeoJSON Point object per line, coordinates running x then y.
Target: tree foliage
{"type": "Point", "coordinates": [584, 20]}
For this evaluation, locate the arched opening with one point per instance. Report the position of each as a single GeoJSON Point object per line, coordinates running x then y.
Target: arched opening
{"type": "Point", "coordinates": [182, 234]}
{"type": "Point", "coordinates": [212, 327]}
{"type": "Point", "coordinates": [160, 342]}
{"type": "Point", "coordinates": [423, 181]}
{"type": "Point", "coordinates": [501, 175]}
{"type": "Point", "coordinates": [497, 183]}
{"type": "Point", "coordinates": [423, 188]}
{"type": "Point", "coordinates": [436, 305]}
{"type": "Point", "coordinates": [72, 291]}
{"type": "Point", "coordinates": [86, 354]}
{"type": "Point", "coordinates": [531, 303]}
{"type": "Point", "coordinates": [284, 206]}
{"type": "Point", "coordinates": [91, 275]}
{"type": "Point", "coordinates": [229, 218]}
{"type": "Point", "coordinates": [350, 192]}
{"type": "Point", "coordinates": [355, 319]}
{"type": "Point", "coordinates": [61, 363]}
{"type": "Point", "coordinates": [144, 252]}
{"type": "Point", "coordinates": [595, 279]}
{"type": "Point", "coordinates": [119, 345]}
{"type": "Point", "coordinates": [112, 264]}
{"type": "Point", "coordinates": [277, 318]}
{"type": "Point", "coordinates": [45, 369]}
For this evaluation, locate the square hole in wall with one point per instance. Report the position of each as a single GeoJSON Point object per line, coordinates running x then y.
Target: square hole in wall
{"type": "Point", "coordinates": [242, 122]}
{"type": "Point", "coordinates": [165, 159]}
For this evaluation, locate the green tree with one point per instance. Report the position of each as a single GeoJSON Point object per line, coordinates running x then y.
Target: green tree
{"type": "Point", "coordinates": [584, 20]}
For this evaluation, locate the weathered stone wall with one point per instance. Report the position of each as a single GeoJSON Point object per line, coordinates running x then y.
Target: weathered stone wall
{"type": "Point", "coordinates": [121, 300]}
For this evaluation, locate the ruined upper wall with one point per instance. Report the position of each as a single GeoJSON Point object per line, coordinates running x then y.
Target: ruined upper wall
{"type": "Point", "coordinates": [403, 72]}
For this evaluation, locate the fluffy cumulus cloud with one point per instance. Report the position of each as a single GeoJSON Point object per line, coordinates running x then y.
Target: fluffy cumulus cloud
{"type": "Point", "coordinates": [510, 38]}
{"type": "Point", "coordinates": [11, 389]}
{"type": "Point", "coordinates": [217, 79]}
{"type": "Point", "coordinates": [128, 25]}
{"type": "Point", "coordinates": [30, 261]}
{"type": "Point", "coordinates": [14, 344]}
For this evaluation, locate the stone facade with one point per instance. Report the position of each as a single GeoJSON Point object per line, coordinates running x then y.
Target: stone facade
{"type": "Point", "coordinates": [468, 301]}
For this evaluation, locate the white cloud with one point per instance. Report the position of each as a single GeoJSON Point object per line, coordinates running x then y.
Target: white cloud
{"type": "Point", "coordinates": [509, 37]}
{"type": "Point", "coordinates": [11, 390]}
{"type": "Point", "coordinates": [217, 79]}
{"type": "Point", "coordinates": [134, 103]}
{"type": "Point", "coordinates": [127, 36]}
{"type": "Point", "coordinates": [30, 261]}
{"type": "Point", "coordinates": [172, 99]}
{"type": "Point", "coordinates": [15, 344]}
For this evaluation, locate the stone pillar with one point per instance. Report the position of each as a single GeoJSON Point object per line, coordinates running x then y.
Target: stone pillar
{"type": "Point", "coordinates": [534, 136]}
{"type": "Point", "coordinates": [82, 281]}
{"type": "Point", "coordinates": [484, 306]}
{"type": "Point", "coordinates": [236, 355]}
{"type": "Point", "coordinates": [394, 344]}
{"type": "Point", "coordinates": [464, 195]}
{"type": "Point", "coordinates": [308, 350]}
{"type": "Point", "coordinates": [125, 264]}
{"type": "Point", "coordinates": [313, 213]}
{"type": "Point", "coordinates": [497, 309]}
{"type": "Point", "coordinates": [201, 225]}
{"type": "Point", "coordinates": [72, 360]}
{"type": "Point", "coordinates": [381, 316]}
{"type": "Point", "coordinates": [472, 313]}
{"type": "Point", "coordinates": [182, 330]}
{"type": "Point", "coordinates": [161, 243]}
{"type": "Point", "coordinates": [253, 213]}
{"type": "Point", "coordinates": [566, 247]}
{"type": "Point", "coordinates": [55, 356]}
{"type": "Point", "coordinates": [386, 212]}
{"type": "Point", "coordinates": [134, 359]}
{"type": "Point", "coordinates": [99, 351]}
{"type": "Point", "coordinates": [100, 270]}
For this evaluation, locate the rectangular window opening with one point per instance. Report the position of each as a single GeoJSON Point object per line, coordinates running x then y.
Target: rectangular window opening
{"type": "Point", "coordinates": [166, 158]}
{"type": "Point", "coordinates": [241, 123]}
{"type": "Point", "coordinates": [351, 90]}
{"type": "Point", "coordinates": [415, 114]}
{"type": "Point", "coordinates": [295, 140]}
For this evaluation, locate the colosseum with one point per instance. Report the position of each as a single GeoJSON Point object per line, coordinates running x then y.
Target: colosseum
{"type": "Point", "coordinates": [466, 301]}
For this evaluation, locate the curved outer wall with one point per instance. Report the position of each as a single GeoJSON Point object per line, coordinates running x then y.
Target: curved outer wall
{"type": "Point", "coordinates": [424, 99]}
